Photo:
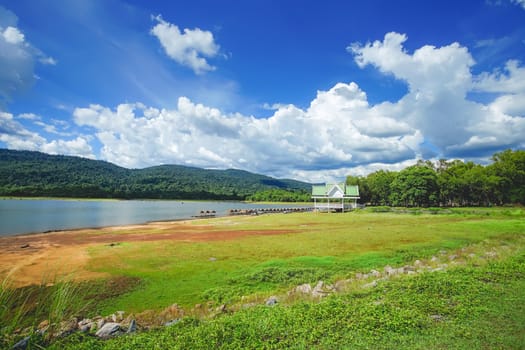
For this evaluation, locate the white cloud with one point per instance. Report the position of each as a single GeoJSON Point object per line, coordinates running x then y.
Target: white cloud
{"type": "Point", "coordinates": [76, 147]}
{"type": "Point", "coordinates": [509, 80]}
{"type": "Point", "coordinates": [17, 136]}
{"type": "Point", "coordinates": [436, 103]}
{"type": "Point", "coordinates": [17, 58]}
{"type": "Point", "coordinates": [187, 47]}
{"type": "Point", "coordinates": [13, 36]}
{"type": "Point", "coordinates": [519, 3]}
{"type": "Point", "coordinates": [292, 139]}
{"type": "Point", "coordinates": [47, 60]}
{"type": "Point", "coordinates": [339, 131]}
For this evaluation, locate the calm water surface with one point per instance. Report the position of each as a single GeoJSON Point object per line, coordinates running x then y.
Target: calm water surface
{"type": "Point", "coordinates": [19, 216]}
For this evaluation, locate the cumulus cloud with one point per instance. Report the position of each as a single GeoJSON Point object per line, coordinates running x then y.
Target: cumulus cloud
{"type": "Point", "coordinates": [17, 58]}
{"type": "Point", "coordinates": [187, 47]}
{"type": "Point", "coordinates": [321, 136]}
{"type": "Point", "coordinates": [17, 136]}
{"type": "Point", "coordinates": [13, 36]}
{"type": "Point", "coordinates": [439, 79]}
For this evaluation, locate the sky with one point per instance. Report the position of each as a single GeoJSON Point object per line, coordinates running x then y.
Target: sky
{"type": "Point", "coordinates": [309, 90]}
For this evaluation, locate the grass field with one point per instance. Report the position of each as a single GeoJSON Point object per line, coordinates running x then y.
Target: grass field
{"type": "Point", "coordinates": [479, 303]}
{"type": "Point", "coordinates": [319, 246]}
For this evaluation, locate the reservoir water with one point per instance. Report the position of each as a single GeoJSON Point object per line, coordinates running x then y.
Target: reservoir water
{"type": "Point", "coordinates": [18, 216]}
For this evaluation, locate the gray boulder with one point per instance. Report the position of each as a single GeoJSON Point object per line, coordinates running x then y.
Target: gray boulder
{"type": "Point", "coordinates": [271, 301]}
{"type": "Point", "coordinates": [132, 327]}
{"type": "Point", "coordinates": [108, 330]}
{"type": "Point", "coordinates": [22, 344]}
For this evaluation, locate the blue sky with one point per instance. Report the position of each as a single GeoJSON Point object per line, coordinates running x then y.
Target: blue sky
{"type": "Point", "coordinates": [302, 89]}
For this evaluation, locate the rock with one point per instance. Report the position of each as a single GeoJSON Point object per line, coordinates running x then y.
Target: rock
{"type": "Point", "coordinates": [22, 344]}
{"type": "Point", "coordinates": [172, 322]}
{"type": "Point", "coordinates": [408, 268]}
{"type": "Point", "coordinates": [452, 257]}
{"type": "Point", "coordinates": [110, 329]}
{"type": "Point", "coordinates": [272, 301]}
{"type": "Point", "coordinates": [434, 259]}
{"type": "Point", "coordinates": [341, 284]}
{"type": "Point", "coordinates": [221, 308]}
{"type": "Point", "coordinates": [117, 316]}
{"type": "Point", "coordinates": [67, 327]}
{"type": "Point", "coordinates": [85, 325]}
{"type": "Point", "coordinates": [372, 284]}
{"type": "Point", "coordinates": [390, 271]}
{"type": "Point", "coordinates": [303, 288]}
{"type": "Point", "coordinates": [100, 323]}
{"type": "Point", "coordinates": [172, 312]}
{"type": "Point", "coordinates": [132, 327]}
{"type": "Point", "coordinates": [85, 328]}
{"type": "Point", "coordinates": [25, 246]}
{"type": "Point", "coordinates": [359, 276]}
{"type": "Point", "coordinates": [418, 263]}
{"type": "Point", "coordinates": [212, 259]}
{"type": "Point", "coordinates": [318, 291]}
{"type": "Point", "coordinates": [375, 273]}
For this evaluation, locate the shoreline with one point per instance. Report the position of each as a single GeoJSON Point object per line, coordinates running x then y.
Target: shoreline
{"type": "Point", "coordinates": [95, 228]}
{"type": "Point", "coordinates": [180, 212]}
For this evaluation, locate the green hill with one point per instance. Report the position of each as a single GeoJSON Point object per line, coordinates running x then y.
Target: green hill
{"type": "Point", "coordinates": [29, 173]}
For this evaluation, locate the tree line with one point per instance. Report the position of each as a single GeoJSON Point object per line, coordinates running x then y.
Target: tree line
{"type": "Point", "coordinates": [448, 183]}
{"type": "Point", "coordinates": [35, 174]}
{"type": "Point", "coordinates": [280, 195]}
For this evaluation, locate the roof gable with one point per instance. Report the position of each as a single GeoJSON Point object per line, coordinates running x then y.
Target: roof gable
{"type": "Point", "coordinates": [335, 190]}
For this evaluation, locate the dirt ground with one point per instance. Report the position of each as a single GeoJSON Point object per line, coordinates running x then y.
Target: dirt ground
{"type": "Point", "coordinates": [40, 258]}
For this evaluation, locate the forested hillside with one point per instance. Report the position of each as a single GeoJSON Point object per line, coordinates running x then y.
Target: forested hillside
{"type": "Point", "coordinates": [448, 183]}
{"type": "Point", "coordinates": [27, 173]}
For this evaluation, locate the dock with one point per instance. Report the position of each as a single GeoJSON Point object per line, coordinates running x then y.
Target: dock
{"type": "Point", "coordinates": [259, 211]}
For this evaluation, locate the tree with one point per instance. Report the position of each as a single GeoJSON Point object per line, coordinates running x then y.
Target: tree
{"type": "Point", "coordinates": [379, 186]}
{"type": "Point", "coordinates": [509, 166]}
{"type": "Point", "coordinates": [415, 186]}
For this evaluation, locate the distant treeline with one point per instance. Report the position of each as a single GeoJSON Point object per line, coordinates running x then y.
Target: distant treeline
{"type": "Point", "coordinates": [448, 183]}
{"type": "Point", "coordinates": [35, 174]}
{"type": "Point", "coordinates": [280, 195]}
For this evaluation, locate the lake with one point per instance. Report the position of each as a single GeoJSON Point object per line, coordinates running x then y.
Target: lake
{"type": "Point", "coordinates": [18, 216]}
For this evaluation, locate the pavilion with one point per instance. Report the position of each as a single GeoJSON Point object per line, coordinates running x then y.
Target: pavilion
{"type": "Point", "coordinates": [335, 197]}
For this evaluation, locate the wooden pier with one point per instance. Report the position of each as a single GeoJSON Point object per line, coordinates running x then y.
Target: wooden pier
{"type": "Point", "coordinates": [259, 211]}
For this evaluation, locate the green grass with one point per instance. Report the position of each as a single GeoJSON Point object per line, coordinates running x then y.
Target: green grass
{"type": "Point", "coordinates": [481, 305]}
{"type": "Point", "coordinates": [468, 307]}
{"type": "Point", "coordinates": [24, 308]}
{"type": "Point", "coordinates": [320, 246]}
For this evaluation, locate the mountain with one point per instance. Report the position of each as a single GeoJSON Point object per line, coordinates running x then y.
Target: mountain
{"type": "Point", "coordinates": [29, 173]}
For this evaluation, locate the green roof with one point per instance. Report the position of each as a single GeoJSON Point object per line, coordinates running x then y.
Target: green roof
{"type": "Point", "coordinates": [322, 190]}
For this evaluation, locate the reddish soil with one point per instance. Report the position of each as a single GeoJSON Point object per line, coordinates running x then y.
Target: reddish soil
{"type": "Point", "coordinates": [31, 259]}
